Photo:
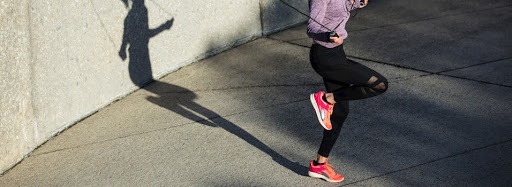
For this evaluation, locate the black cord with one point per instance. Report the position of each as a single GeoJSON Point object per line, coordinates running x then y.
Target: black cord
{"type": "Point", "coordinates": [308, 16]}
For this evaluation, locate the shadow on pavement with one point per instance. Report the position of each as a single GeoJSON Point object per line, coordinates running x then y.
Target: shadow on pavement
{"type": "Point", "coordinates": [137, 35]}
{"type": "Point", "coordinates": [180, 101]}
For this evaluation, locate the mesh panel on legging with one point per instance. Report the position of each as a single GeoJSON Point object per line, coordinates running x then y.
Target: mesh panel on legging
{"type": "Point", "coordinates": [376, 85]}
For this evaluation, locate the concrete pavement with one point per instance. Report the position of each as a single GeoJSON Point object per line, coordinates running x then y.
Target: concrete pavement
{"type": "Point", "coordinates": [243, 117]}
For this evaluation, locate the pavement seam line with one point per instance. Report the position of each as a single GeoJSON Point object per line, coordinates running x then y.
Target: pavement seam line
{"type": "Point", "coordinates": [263, 86]}
{"type": "Point", "coordinates": [429, 73]}
{"type": "Point", "coordinates": [374, 61]}
{"type": "Point", "coordinates": [242, 87]}
{"type": "Point", "coordinates": [434, 18]}
{"type": "Point", "coordinates": [421, 20]}
{"type": "Point", "coordinates": [434, 160]}
{"type": "Point", "coordinates": [474, 65]}
{"type": "Point", "coordinates": [365, 59]}
{"type": "Point", "coordinates": [391, 64]}
{"type": "Point", "coordinates": [474, 80]}
{"type": "Point", "coordinates": [165, 128]}
{"type": "Point", "coordinates": [440, 73]}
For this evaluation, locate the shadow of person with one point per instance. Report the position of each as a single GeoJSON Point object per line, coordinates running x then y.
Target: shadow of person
{"type": "Point", "coordinates": [179, 100]}
{"type": "Point", "coordinates": [137, 35]}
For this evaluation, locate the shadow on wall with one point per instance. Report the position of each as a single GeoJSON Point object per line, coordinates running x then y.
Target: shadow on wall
{"type": "Point", "coordinates": [136, 37]}
{"type": "Point", "coordinates": [278, 15]}
{"type": "Point", "coordinates": [137, 34]}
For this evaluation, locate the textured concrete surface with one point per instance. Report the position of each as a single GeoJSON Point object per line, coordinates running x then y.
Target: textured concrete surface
{"type": "Point", "coordinates": [276, 15]}
{"type": "Point", "coordinates": [494, 72]}
{"type": "Point", "coordinates": [93, 51]}
{"type": "Point", "coordinates": [434, 35]}
{"type": "Point", "coordinates": [18, 132]}
{"type": "Point", "coordinates": [243, 118]}
{"type": "Point", "coordinates": [62, 61]}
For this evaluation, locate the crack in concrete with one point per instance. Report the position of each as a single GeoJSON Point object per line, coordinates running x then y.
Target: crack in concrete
{"type": "Point", "coordinates": [102, 24]}
{"type": "Point", "coordinates": [432, 161]}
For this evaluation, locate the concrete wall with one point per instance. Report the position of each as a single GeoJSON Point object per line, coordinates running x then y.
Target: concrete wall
{"type": "Point", "coordinates": [18, 131]}
{"type": "Point", "coordinates": [277, 16]}
{"type": "Point", "coordinates": [63, 60]}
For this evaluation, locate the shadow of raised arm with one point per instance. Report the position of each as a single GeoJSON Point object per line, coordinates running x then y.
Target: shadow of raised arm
{"type": "Point", "coordinates": [166, 26]}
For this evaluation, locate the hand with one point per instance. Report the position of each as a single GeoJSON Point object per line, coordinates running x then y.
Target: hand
{"type": "Point", "coordinates": [365, 3]}
{"type": "Point", "coordinates": [122, 54]}
{"type": "Point", "coordinates": [167, 25]}
{"type": "Point", "coordinates": [336, 40]}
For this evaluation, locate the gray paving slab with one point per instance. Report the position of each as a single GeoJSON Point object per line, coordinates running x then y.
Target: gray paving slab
{"type": "Point", "coordinates": [499, 72]}
{"type": "Point", "coordinates": [385, 13]}
{"type": "Point", "coordinates": [489, 166]}
{"type": "Point", "coordinates": [438, 44]}
{"type": "Point", "coordinates": [424, 120]}
{"type": "Point", "coordinates": [429, 35]}
{"type": "Point", "coordinates": [392, 13]}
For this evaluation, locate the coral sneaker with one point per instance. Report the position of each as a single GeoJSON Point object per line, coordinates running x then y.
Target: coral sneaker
{"type": "Point", "coordinates": [323, 110]}
{"type": "Point", "coordinates": [325, 172]}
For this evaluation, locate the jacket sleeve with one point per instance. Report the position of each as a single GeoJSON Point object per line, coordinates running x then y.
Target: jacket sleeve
{"type": "Point", "coordinates": [317, 9]}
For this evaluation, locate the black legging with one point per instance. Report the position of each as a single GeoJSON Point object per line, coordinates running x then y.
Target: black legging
{"type": "Point", "coordinates": [347, 80]}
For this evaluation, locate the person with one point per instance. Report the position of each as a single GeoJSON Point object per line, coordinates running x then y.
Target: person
{"type": "Point", "coordinates": [344, 79]}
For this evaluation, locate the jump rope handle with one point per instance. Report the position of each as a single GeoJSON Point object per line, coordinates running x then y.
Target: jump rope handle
{"type": "Point", "coordinates": [333, 34]}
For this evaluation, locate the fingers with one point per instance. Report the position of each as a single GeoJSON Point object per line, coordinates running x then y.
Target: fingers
{"type": "Point", "coordinates": [122, 55]}
{"type": "Point", "coordinates": [336, 40]}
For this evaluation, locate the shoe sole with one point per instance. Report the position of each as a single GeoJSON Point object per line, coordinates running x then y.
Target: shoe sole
{"type": "Point", "coordinates": [319, 176]}
{"type": "Point", "coordinates": [317, 111]}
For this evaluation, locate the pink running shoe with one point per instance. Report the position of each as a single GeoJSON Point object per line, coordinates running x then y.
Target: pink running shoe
{"type": "Point", "coordinates": [325, 172]}
{"type": "Point", "coordinates": [323, 110]}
